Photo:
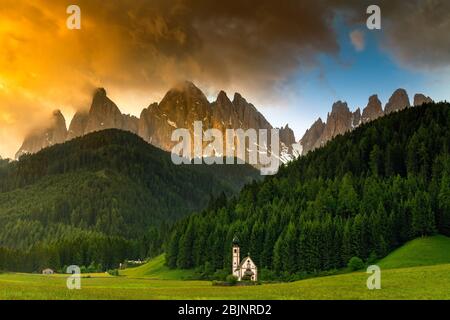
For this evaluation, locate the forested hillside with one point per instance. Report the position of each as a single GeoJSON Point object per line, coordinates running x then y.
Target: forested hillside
{"type": "Point", "coordinates": [100, 199]}
{"type": "Point", "coordinates": [363, 194]}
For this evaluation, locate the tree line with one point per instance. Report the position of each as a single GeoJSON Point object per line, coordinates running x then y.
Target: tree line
{"type": "Point", "coordinates": [362, 195]}
{"type": "Point", "coordinates": [99, 199]}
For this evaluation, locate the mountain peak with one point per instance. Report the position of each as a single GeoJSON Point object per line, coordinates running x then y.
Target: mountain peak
{"type": "Point", "coordinates": [341, 120]}
{"type": "Point", "coordinates": [189, 84]}
{"type": "Point", "coordinates": [99, 100]}
{"type": "Point", "coordinates": [58, 120]}
{"type": "Point", "coordinates": [318, 122]}
{"type": "Point", "coordinates": [78, 124]}
{"type": "Point", "coordinates": [287, 137]}
{"type": "Point", "coordinates": [238, 99]}
{"type": "Point", "coordinates": [373, 110]}
{"type": "Point", "coordinates": [420, 99]}
{"type": "Point", "coordinates": [57, 113]}
{"type": "Point", "coordinates": [100, 92]}
{"type": "Point", "coordinates": [184, 86]}
{"type": "Point", "coordinates": [398, 101]}
{"type": "Point", "coordinates": [340, 106]}
{"type": "Point", "coordinates": [222, 97]}
{"type": "Point", "coordinates": [103, 114]}
{"type": "Point", "coordinates": [400, 91]}
{"type": "Point", "coordinates": [312, 135]}
{"type": "Point", "coordinates": [54, 133]}
{"type": "Point", "coordinates": [356, 118]}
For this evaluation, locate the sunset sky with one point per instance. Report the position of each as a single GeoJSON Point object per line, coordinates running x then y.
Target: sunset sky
{"type": "Point", "coordinates": [292, 59]}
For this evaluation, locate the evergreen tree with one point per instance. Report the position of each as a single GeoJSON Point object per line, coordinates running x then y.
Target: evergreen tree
{"type": "Point", "coordinates": [423, 219]}
{"type": "Point", "coordinates": [444, 204]}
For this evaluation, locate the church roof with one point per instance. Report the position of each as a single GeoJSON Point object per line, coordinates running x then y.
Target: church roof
{"type": "Point", "coordinates": [245, 261]}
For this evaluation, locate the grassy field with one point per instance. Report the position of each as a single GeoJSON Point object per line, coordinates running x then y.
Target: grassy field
{"type": "Point", "coordinates": [430, 282]}
{"type": "Point", "coordinates": [419, 252]}
{"type": "Point", "coordinates": [155, 281]}
{"type": "Point", "coordinates": [156, 269]}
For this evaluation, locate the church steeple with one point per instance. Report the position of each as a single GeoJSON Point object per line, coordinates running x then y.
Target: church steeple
{"type": "Point", "coordinates": [236, 257]}
{"type": "Point", "coordinates": [245, 270]}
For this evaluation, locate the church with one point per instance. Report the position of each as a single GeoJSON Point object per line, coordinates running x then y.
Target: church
{"type": "Point", "coordinates": [244, 270]}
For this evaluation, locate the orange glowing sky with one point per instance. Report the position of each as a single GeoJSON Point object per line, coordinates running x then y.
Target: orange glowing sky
{"type": "Point", "coordinates": [138, 49]}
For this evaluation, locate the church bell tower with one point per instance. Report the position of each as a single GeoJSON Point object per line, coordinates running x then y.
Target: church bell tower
{"type": "Point", "coordinates": [236, 257]}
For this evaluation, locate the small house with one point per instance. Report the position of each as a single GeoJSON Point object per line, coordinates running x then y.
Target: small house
{"type": "Point", "coordinates": [47, 271]}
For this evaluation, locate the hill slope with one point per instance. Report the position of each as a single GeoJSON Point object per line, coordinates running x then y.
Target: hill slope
{"type": "Point", "coordinates": [427, 251]}
{"type": "Point", "coordinates": [156, 269]}
{"type": "Point", "coordinates": [101, 198]}
{"type": "Point", "coordinates": [363, 194]}
{"type": "Point", "coordinates": [419, 252]}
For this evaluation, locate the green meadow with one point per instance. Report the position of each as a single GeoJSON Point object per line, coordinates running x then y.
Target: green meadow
{"type": "Point", "coordinates": [418, 270]}
{"type": "Point", "coordinates": [157, 270]}
{"type": "Point", "coordinates": [419, 252]}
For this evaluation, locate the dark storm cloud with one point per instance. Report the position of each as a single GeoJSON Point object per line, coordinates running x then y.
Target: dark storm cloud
{"type": "Point", "coordinates": [256, 43]}
{"type": "Point", "coordinates": [139, 48]}
{"type": "Point", "coordinates": [417, 33]}
{"type": "Point", "coordinates": [414, 32]}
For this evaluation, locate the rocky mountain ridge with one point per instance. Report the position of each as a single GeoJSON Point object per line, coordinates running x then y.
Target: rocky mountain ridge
{"type": "Point", "coordinates": [180, 108]}
{"type": "Point", "coordinates": [342, 120]}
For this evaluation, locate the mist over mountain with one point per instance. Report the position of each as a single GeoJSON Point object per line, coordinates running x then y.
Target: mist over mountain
{"type": "Point", "coordinates": [180, 108]}
{"type": "Point", "coordinates": [185, 103]}
{"type": "Point", "coordinates": [55, 133]}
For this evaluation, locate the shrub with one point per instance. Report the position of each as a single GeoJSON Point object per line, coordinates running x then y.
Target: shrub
{"type": "Point", "coordinates": [199, 274]}
{"type": "Point", "coordinates": [83, 269]}
{"type": "Point", "coordinates": [113, 272]}
{"type": "Point", "coordinates": [220, 275]}
{"type": "Point", "coordinates": [267, 275]}
{"type": "Point", "coordinates": [232, 280]}
{"type": "Point", "coordinates": [356, 263]}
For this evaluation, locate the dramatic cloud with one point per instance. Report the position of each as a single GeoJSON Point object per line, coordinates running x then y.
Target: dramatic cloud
{"type": "Point", "coordinates": [358, 40]}
{"type": "Point", "coordinates": [417, 33]}
{"type": "Point", "coordinates": [138, 49]}
{"type": "Point", "coordinates": [414, 32]}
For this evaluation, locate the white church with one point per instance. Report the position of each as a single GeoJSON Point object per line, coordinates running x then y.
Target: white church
{"type": "Point", "coordinates": [244, 270]}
